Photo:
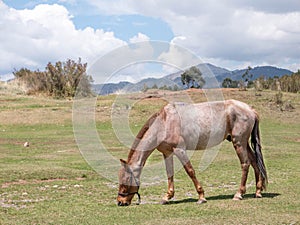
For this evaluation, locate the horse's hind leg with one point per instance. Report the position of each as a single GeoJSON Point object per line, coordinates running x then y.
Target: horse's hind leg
{"type": "Point", "coordinates": [182, 156]}
{"type": "Point", "coordinates": [170, 173]}
{"type": "Point", "coordinates": [242, 152]}
{"type": "Point", "coordinates": [258, 177]}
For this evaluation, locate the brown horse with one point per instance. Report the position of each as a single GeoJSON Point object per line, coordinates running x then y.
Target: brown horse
{"type": "Point", "coordinates": [179, 127]}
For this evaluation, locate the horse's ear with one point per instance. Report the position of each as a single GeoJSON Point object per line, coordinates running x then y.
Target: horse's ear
{"type": "Point", "coordinates": [123, 162]}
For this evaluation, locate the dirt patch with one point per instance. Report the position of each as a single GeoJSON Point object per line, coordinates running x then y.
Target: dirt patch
{"type": "Point", "coordinates": [25, 182]}
{"type": "Point", "coordinates": [18, 204]}
{"type": "Point", "coordinates": [293, 139]}
{"type": "Point", "coordinates": [35, 116]}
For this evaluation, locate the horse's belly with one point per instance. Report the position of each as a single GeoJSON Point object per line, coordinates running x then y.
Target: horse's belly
{"type": "Point", "coordinates": [202, 126]}
{"type": "Point", "coordinates": [204, 139]}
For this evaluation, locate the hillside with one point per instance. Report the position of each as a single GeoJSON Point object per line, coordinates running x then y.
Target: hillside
{"type": "Point", "coordinates": [208, 71]}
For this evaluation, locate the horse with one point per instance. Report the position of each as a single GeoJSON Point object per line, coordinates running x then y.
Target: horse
{"type": "Point", "coordinates": [179, 127]}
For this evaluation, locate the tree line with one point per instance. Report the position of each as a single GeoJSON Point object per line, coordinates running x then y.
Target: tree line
{"type": "Point", "coordinates": [286, 83]}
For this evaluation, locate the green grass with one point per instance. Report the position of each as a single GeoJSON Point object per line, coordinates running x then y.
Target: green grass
{"type": "Point", "coordinates": [50, 182]}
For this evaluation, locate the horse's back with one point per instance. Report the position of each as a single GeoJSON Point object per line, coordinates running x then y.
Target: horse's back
{"type": "Point", "coordinates": [206, 124]}
{"type": "Point", "coordinates": [198, 126]}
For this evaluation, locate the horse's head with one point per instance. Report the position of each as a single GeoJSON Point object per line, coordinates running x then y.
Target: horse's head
{"type": "Point", "coordinates": [128, 185]}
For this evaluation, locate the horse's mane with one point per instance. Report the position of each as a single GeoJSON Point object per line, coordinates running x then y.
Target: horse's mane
{"type": "Point", "coordinates": [141, 133]}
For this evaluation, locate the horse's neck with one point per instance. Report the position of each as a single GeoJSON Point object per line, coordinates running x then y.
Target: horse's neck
{"type": "Point", "coordinates": [145, 142]}
{"type": "Point", "coordinates": [138, 157]}
{"type": "Point", "coordinates": [143, 145]}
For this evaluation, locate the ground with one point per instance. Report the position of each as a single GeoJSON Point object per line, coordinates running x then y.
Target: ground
{"type": "Point", "coordinates": [49, 182]}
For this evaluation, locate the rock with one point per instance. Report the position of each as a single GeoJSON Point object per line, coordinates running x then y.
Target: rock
{"type": "Point", "coordinates": [26, 144]}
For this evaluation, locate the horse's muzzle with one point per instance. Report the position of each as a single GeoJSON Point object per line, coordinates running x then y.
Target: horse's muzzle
{"type": "Point", "coordinates": [123, 204]}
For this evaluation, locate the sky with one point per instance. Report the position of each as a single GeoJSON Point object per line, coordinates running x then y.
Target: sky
{"type": "Point", "coordinates": [233, 34]}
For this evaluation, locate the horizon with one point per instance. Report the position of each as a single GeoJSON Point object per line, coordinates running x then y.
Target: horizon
{"type": "Point", "coordinates": [156, 75]}
{"type": "Point", "coordinates": [232, 36]}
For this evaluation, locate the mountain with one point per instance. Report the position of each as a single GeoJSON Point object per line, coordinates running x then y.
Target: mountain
{"type": "Point", "coordinates": [266, 71]}
{"type": "Point", "coordinates": [213, 75]}
{"type": "Point", "coordinates": [205, 68]}
{"type": "Point", "coordinates": [109, 88]}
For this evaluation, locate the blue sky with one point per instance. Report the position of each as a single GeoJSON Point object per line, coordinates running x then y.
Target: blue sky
{"type": "Point", "coordinates": [231, 33]}
{"type": "Point", "coordinates": [124, 26]}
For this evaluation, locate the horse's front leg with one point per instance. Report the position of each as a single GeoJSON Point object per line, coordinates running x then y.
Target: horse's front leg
{"type": "Point", "coordinates": [182, 156]}
{"type": "Point", "coordinates": [168, 157]}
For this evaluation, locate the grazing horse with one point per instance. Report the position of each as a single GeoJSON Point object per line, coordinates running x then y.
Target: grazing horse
{"type": "Point", "coordinates": [179, 127]}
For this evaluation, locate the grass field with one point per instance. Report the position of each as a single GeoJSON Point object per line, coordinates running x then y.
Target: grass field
{"type": "Point", "coordinates": [49, 182]}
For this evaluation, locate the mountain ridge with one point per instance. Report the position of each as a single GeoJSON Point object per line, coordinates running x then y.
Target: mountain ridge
{"type": "Point", "coordinates": [214, 76]}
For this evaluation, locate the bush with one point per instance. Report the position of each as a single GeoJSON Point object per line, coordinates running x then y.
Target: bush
{"type": "Point", "coordinates": [59, 80]}
{"type": "Point", "coordinates": [279, 98]}
{"type": "Point", "coordinates": [286, 83]}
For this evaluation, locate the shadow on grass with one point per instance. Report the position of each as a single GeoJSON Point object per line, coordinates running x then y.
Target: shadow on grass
{"type": "Point", "coordinates": [223, 197]}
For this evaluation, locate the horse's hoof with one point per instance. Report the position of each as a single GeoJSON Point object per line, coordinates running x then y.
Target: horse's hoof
{"type": "Point", "coordinates": [201, 201]}
{"type": "Point", "coordinates": [258, 196]}
{"type": "Point", "coordinates": [237, 197]}
{"type": "Point", "coordinates": [164, 202]}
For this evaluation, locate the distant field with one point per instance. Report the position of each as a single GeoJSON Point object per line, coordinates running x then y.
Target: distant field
{"type": "Point", "coordinates": [49, 182]}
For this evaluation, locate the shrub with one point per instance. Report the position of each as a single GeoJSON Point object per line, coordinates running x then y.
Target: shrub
{"type": "Point", "coordinates": [59, 80]}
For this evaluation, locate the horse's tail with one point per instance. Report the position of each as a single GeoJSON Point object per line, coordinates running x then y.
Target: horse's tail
{"type": "Point", "coordinates": [256, 146]}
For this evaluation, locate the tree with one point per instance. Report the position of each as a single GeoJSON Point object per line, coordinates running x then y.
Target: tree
{"type": "Point", "coordinates": [229, 83]}
{"type": "Point", "coordinates": [154, 86]}
{"type": "Point", "coordinates": [290, 83]}
{"type": "Point", "coordinates": [58, 80]}
{"type": "Point", "coordinates": [246, 78]}
{"type": "Point", "coordinates": [164, 87]}
{"type": "Point", "coordinates": [175, 88]}
{"type": "Point", "coordinates": [23, 72]}
{"type": "Point", "coordinates": [286, 83]}
{"type": "Point", "coordinates": [192, 78]}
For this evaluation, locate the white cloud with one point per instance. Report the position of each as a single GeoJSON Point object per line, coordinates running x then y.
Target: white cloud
{"type": "Point", "coordinates": [116, 7]}
{"type": "Point", "coordinates": [256, 31]}
{"type": "Point", "coordinates": [178, 58]}
{"type": "Point", "coordinates": [136, 72]}
{"type": "Point", "coordinates": [109, 65]}
{"type": "Point", "coordinates": [229, 33]}
{"type": "Point", "coordinates": [138, 38]}
{"type": "Point", "coordinates": [33, 37]}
